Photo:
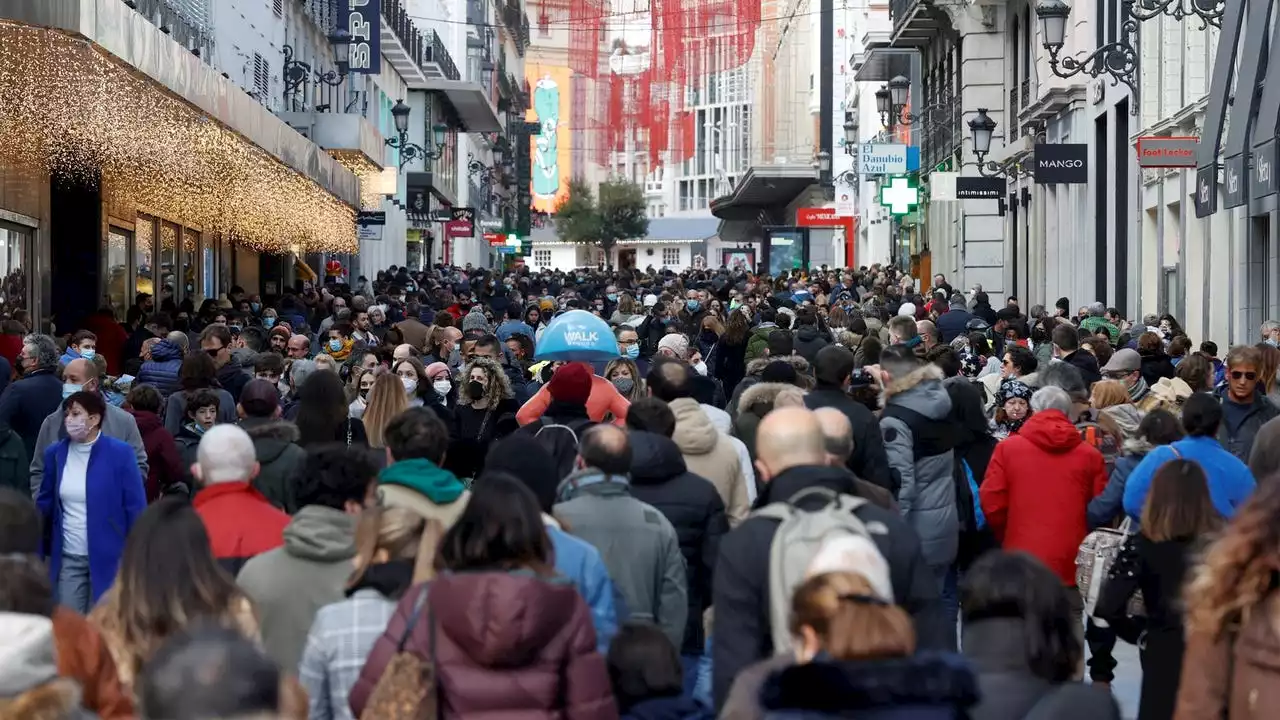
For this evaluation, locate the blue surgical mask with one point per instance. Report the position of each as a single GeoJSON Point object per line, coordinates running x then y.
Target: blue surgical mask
{"type": "Point", "coordinates": [633, 351]}
{"type": "Point", "coordinates": [255, 307]}
{"type": "Point", "coordinates": [69, 389]}
{"type": "Point", "coordinates": [88, 354]}
{"type": "Point", "coordinates": [268, 322]}
{"type": "Point", "coordinates": [613, 297]}
{"type": "Point", "coordinates": [693, 305]}
{"type": "Point", "coordinates": [335, 345]}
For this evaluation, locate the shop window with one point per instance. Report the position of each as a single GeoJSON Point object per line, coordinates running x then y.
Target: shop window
{"type": "Point", "coordinates": [169, 260]}
{"type": "Point", "coordinates": [144, 235]}
{"type": "Point", "coordinates": [670, 256]}
{"type": "Point", "coordinates": [15, 244]}
{"type": "Point", "coordinates": [115, 270]}
{"type": "Point", "coordinates": [190, 263]}
{"type": "Point", "coordinates": [542, 258]}
{"type": "Point", "coordinates": [226, 273]}
{"type": "Point", "coordinates": [208, 267]}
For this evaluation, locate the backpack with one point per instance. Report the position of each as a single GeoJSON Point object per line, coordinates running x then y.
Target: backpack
{"type": "Point", "coordinates": [561, 441]}
{"type": "Point", "coordinates": [797, 540]}
{"type": "Point", "coordinates": [1097, 437]}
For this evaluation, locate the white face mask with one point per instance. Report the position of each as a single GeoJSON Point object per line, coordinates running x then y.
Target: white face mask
{"type": "Point", "coordinates": [410, 384]}
{"type": "Point", "coordinates": [442, 386]}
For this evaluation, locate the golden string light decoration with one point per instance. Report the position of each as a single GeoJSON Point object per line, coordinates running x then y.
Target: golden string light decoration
{"type": "Point", "coordinates": [69, 109]}
{"type": "Point", "coordinates": [370, 195]}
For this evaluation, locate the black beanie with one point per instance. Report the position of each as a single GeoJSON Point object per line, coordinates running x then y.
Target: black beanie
{"type": "Point", "coordinates": [779, 372]}
{"type": "Point", "coordinates": [525, 459]}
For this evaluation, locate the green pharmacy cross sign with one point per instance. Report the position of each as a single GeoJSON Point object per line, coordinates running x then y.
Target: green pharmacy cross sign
{"type": "Point", "coordinates": [900, 196]}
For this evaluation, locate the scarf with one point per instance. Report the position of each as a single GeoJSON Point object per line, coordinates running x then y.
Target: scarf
{"type": "Point", "coordinates": [1138, 390]}
{"type": "Point", "coordinates": [391, 579]}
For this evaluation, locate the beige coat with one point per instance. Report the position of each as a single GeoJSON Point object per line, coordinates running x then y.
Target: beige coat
{"type": "Point", "coordinates": [1236, 676]}
{"type": "Point", "coordinates": [708, 452]}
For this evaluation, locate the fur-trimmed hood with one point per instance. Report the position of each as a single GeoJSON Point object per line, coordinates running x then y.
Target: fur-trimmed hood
{"type": "Point", "coordinates": [761, 396]}
{"type": "Point", "coordinates": [804, 371]}
{"type": "Point", "coordinates": [931, 685]}
{"type": "Point", "coordinates": [58, 699]}
{"type": "Point", "coordinates": [911, 380]}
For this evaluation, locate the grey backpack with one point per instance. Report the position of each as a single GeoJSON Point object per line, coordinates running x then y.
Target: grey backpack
{"type": "Point", "coordinates": [798, 538]}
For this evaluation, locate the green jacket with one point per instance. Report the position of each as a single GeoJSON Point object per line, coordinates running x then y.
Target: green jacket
{"type": "Point", "coordinates": [759, 342]}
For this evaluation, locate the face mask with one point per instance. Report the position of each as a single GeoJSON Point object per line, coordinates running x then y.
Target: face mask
{"type": "Point", "coordinates": [475, 390]}
{"type": "Point", "coordinates": [69, 389]}
{"type": "Point", "coordinates": [442, 386]}
{"type": "Point", "coordinates": [77, 429]}
{"type": "Point", "coordinates": [624, 385]}
{"type": "Point", "coordinates": [335, 345]}
{"type": "Point", "coordinates": [255, 307]}
{"type": "Point", "coordinates": [693, 305]}
{"type": "Point", "coordinates": [268, 322]}
{"type": "Point", "coordinates": [613, 297]}
{"type": "Point", "coordinates": [1271, 341]}
{"type": "Point", "coordinates": [410, 384]}
{"type": "Point", "coordinates": [357, 407]}
{"type": "Point", "coordinates": [88, 354]}
{"type": "Point", "coordinates": [282, 387]}
{"type": "Point", "coordinates": [197, 428]}
{"type": "Point", "coordinates": [633, 351]}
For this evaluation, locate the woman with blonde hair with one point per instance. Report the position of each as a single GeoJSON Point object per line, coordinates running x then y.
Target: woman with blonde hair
{"type": "Point", "coordinates": [386, 399]}
{"type": "Point", "coordinates": [1232, 618]}
{"type": "Point", "coordinates": [1116, 412]}
{"type": "Point", "coordinates": [625, 376]}
{"type": "Point", "coordinates": [394, 551]}
{"type": "Point", "coordinates": [485, 412]}
{"type": "Point", "coordinates": [853, 649]}
{"type": "Point", "coordinates": [625, 311]}
{"type": "Point", "coordinates": [168, 581]}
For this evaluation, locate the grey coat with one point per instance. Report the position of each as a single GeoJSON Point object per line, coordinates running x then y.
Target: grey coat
{"type": "Point", "coordinates": [117, 424]}
{"type": "Point", "coordinates": [638, 544]}
{"type": "Point", "coordinates": [927, 494]}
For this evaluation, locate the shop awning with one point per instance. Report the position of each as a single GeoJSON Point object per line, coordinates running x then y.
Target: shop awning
{"type": "Point", "coordinates": [469, 102]}
{"type": "Point", "coordinates": [882, 64]}
{"type": "Point", "coordinates": [90, 87]}
{"type": "Point", "coordinates": [763, 187]}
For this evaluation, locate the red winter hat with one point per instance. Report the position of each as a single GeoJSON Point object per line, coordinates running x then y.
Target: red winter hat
{"type": "Point", "coordinates": [571, 384]}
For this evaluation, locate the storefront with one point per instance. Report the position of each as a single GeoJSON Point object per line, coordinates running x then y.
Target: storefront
{"type": "Point", "coordinates": [129, 165]}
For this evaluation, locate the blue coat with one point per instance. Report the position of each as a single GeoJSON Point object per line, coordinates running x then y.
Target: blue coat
{"type": "Point", "coordinates": [1230, 481]}
{"type": "Point", "coordinates": [162, 369]}
{"type": "Point", "coordinates": [115, 500]}
{"type": "Point", "coordinates": [579, 561]}
{"type": "Point", "coordinates": [26, 403]}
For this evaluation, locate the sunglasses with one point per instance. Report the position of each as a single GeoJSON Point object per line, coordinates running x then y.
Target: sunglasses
{"type": "Point", "coordinates": [1238, 375]}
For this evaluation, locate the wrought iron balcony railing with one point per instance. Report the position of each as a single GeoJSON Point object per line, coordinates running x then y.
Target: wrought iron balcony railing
{"type": "Point", "coordinates": [425, 47]}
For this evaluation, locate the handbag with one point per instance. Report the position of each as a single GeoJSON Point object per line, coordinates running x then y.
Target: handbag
{"type": "Point", "coordinates": [408, 688]}
{"type": "Point", "coordinates": [1093, 561]}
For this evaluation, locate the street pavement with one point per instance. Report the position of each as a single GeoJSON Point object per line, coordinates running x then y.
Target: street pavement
{"type": "Point", "coordinates": [1127, 686]}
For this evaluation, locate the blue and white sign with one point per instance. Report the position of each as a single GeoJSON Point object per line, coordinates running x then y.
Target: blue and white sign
{"type": "Point", "coordinates": [364, 22]}
{"type": "Point", "coordinates": [887, 159]}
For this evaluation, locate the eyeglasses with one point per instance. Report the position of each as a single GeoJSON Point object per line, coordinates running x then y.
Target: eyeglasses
{"type": "Point", "coordinates": [1119, 374]}
{"type": "Point", "coordinates": [213, 352]}
{"type": "Point", "coordinates": [1240, 374]}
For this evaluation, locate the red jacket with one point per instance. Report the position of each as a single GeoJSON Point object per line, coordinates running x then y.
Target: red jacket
{"type": "Point", "coordinates": [164, 465]}
{"type": "Point", "coordinates": [241, 522]}
{"type": "Point", "coordinates": [11, 348]}
{"type": "Point", "coordinates": [1037, 490]}
{"type": "Point", "coordinates": [604, 399]}
{"type": "Point", "coordinates": [508, 645]}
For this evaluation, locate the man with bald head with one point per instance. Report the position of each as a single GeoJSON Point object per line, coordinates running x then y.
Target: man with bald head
{"type": "Point", "coordinates": [791, 458]}
{"type": "Point", "coordinates": [403, 351]}
{"type": "Point", "coordinates": [299, 347]}
{"type": "Point", "coordinates": [837, 438]}
{"type": "Point", "coordinates": [82, 375]}
{"type": "Point", "coordinates": [638, 544]}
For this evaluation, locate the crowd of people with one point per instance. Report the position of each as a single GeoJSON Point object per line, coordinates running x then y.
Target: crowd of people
{"type": "Point", "coordinates": [833, 493]}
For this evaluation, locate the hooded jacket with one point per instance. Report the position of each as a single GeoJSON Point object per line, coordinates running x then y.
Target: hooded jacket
{"type": "Point", "coordinates": [724, 423]}
{"type": "Point", "coordinates": [638, 544]}
{"type": "Point", "coordinates": [954, 322]}
{"type": "Point", "coordinates": [740, 592]}
{"type": "Point", "coordinates": [164, 465]}
{"type": "Point", "coordinates": [1230, 480]}
{"type": "Point", "coordinates": [289, 584]}
{"type": "Point", "coordinates": [808, 341]}
{"type": "Point", "coordinates": [30, 687]}
{"type": "Point", "coordinates": [755, 368]}
{"type": "Point", "coordinates": [425, 488]}
{"type": "Point", "coordinates": [921, 687]}
{"type": "Point", "coordinates": [919, 441]}
{"type": "Point", "coordinates": [754, 404]}
{"type": "Point", "coordinates": [708, 453]}
{"type": "Point", "coordinates": [695, 510]}
{"type": "Point", "coordinates": [1037, 491]}
{"type": "Point", "coordinates": [275, 444]}
{"type": "Point", "coordinates": [507, 644]}
{"type": "Point", "coordinates": [1110, 504]}
{"type": "Point", "coordinates": [163, 368]}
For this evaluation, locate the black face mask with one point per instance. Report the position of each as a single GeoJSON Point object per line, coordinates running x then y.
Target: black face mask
{"type": "Point", "coordinates": [475, 390]}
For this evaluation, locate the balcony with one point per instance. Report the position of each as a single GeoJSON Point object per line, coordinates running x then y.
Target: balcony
{"type": "Point", "coordinates": [517, 22]}
{"type": "Point", "coordinates": [184, 21]}
{"type": "Point", "coordinates": [916, 23]}
{"type": "Point", "coordinates": [477, 14]}
{"type": "Point", "coordinates": [1026, 93]}
{"type": "Point", "coordinates": [423, 52]}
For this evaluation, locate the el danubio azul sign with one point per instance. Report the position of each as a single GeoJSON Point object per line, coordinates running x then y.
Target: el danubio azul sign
{"type": "Point", "coordinates": [882, 159]}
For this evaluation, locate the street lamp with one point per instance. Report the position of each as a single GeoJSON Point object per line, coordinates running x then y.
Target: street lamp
{"type": "Point", "coordinates": [824, 162]}
{"type": "Point", "coordinates": [850, 134]}
{"type": "Point", "coordinates": [982, 127]}
{"type": "Point", "coordinates": [898, 87]}
{"type": "Point", "coordinates": [1118, 59]}
{"type": "Point", "coordinates": [410, 151]}
{"type": "Point", "coordinates": [296, 72]}
{"type": "Point", "coordinates": [882, 104]}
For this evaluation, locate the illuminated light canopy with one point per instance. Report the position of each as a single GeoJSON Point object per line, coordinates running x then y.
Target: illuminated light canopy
{"type": "Point", "coordinates": [372, 176]}
{"type": "Point", "coordinates": [67, 107]}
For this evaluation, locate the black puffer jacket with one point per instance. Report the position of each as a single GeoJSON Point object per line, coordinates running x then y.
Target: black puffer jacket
{"type": "Point", "coordinates": [808, 341]}
{"type": "Point", "coordinates": [693, 507]}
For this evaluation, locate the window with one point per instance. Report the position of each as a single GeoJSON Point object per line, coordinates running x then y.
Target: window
{"type": "Point", "coordinates": [279, 8]}
{"type": "Point", "coordinates": [115, 270]}
{"type": "Point", "coordinates": [143, 248]}
{"type": "Point", "coordinates": [261, 77]}
{"type": "Point", "coordinates": [670, 256]}
{"type": "Point", "coordinates": [542, 258]}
